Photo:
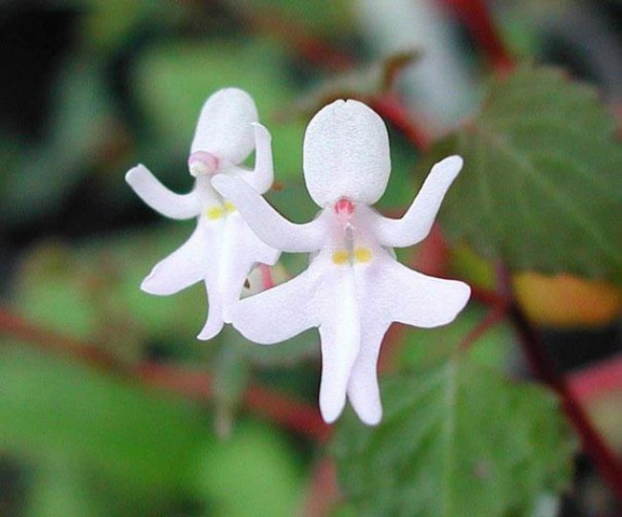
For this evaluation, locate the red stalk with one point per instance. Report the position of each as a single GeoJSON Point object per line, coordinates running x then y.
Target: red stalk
{"type": "Point", "coordinates": [390, 108]}
{"type": "Point", "coordinates": [475, 15]}
{"type": "Point", "coordinates": [605, 459]}
{"type": "Point", "coordinates": [188, 383]}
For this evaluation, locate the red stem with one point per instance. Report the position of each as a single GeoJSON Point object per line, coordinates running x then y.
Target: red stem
{"type": "Point", "coordinates": [605, 459]}
{"type": "Point", "coordinates": [88, 353]}
{"type": "Point", "coordinates": [321, 53]}
{"type": "Point", "coordinates": [494, 316]}
{"type": "Point", "coordinates": [295, 415]}
{"type": "Point", "coordinates": [322, 493]}
{"type": "Point", "coordinates": [476, 17]}
{"type": "Point", "coordinates": [188, 383]}
{"type": "Point", "coordinates": [489, 298]}
{"type": "Point", "coordinates": [390, 108]}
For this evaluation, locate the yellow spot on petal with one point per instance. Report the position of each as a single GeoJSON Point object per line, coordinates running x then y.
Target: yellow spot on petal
{"type": "Point", "coordinates": [340, 257]}
{"type": "Point", "coordinates": [214, 212]}
{"type": "Point", "coordinates": [362, 254]}
{"type": "Point", "coordinates": [229, 207]}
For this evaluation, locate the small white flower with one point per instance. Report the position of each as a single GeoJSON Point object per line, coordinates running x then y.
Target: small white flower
{"type": "Point", "coordinates": [353, 288]}
{"type": "Point", "coordinates": [223, 249]}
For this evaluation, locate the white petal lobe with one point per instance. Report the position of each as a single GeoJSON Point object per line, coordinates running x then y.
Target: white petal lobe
{"type": "Point", "coordinates": [182, 268]}
{"type": "Point", "coordinates": [346, 154]}
{"type": "Point", "coordinates": [278, 313]}
{"type": "Point", "coordinates": [224, 127]}
{"type": "Point", "coordinates": [418, 220]}
{"type": "Point", "coordinates": [262, 176]}
{"type": "Point", "coordinates": [161, 199]}
{"type": "Point", "coordinates": [215, 321]}
{"type": "Point", "coordinates": [340, 332]}
{"type": "Point", "coordinates": [419, 300]}
{"type": "Point", "coordinates": [363, 390]}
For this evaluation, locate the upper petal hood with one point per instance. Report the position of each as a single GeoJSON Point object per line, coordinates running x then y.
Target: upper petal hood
{"type": "Point", "coordinates": [224, 128]}
{"type": "Point", "coordinates": [346, 153]}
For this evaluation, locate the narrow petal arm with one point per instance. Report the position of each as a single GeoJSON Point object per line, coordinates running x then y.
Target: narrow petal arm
{"type": "Point", "coordinates": [418, 220]}
{"type": "Point", "coordinates": [262, 176]}
{"type": "Point", "coordinates": [340, 333]}
{"type": "Point", "coordinates": [161, 199]}
{"type": "Point", "coordinates": [266, 222]}
{"type": "Point", "coordinates": [363, 389]}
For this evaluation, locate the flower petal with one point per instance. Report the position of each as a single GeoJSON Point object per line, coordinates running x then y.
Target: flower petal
{"type": "Point", "coordinates": [224, 127]}
{"type": "Point", "coordinates": [341, 337]}
{"type": "Point", "coordinates": [242, 250]}
{"type": "Point", "coordinates": [363, 390]}
{"type": "Point", "coordinates": [214, 245]}
{"type": "Point", "coordinates": [265, 221]}
{"type": "Point", "coordinates": [279, 313]}
{"type": "Point", "coordinates": [161, 199]}
{"type": "Point", "coordinates": [346, 153]}
{"type": "Point", "coordinates": [418, 220]}
{"type": "Point", "coordinates": [215, 321]}
{"type": "Point", "coordinates": [262, 176]}
{"type": "Point", "coordinates": [182, 268]}
{"type": "Point", "coordinates": [419, 300]}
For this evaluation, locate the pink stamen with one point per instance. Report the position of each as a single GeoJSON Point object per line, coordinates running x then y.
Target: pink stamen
{"type": "Point", "coordinates": [266, 276]}
{"type": "Point", "coordinates": [202, 162]}
{"type": "Point", "coordinates": [344, 206]}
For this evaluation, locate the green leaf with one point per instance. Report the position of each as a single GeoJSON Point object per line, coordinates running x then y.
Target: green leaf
{"type": "Point", "coordinates": [70, 289]}
{"type": "Point", "coordinates": [108, 24]}
{"type": "Point", "coordinates": [541, 185]}
{"type": "Point", "coordinates": [51, 408]}
{"type": "Point", "coordinates": [457, 440]}
{"type": "Point", "coordinates": [174, 80]}
{"type": "Point", "coordinates": [231, 375]}
{"type": "Point", "coordinates": [60, 489]}
{"type": "Point", "coordinates": [233, 358]}
{"type": "Point", "coordinates": [254, 473]}
{"type": "Point", "coordinates": [427, 347]}
{"type": "Point", "coordinates": [300, 17]}
{"type": "Point", "coordinates": [40, 177]}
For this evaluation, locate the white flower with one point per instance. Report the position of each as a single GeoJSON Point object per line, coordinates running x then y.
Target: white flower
{"type": "Point", "coordinates": [223, 249]}
{"type": "Point", "coordinates": [353, 288]}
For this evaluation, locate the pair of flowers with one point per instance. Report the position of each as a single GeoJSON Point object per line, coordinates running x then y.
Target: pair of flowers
{"type": "Point", "coordinates": [353, 288]}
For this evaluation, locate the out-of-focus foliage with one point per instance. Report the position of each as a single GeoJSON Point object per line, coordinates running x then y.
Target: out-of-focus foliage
{"type": "Point", "coordinates": [109, 447]}
{"type": "Point", "coordinates": [110, 83]}
{"type": "Point", "coordinates": [541, 186]}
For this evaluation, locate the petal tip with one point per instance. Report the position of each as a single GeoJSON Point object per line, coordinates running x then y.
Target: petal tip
{"type": "Point", "coordinates": [330, 417]}
{"type": "Point", "coordinates": [147, 286]}
{"type": "Point", "coordinates": [372, 420]}
{"type": "Point", "coordinates": [450, 165]}
{"type": "Point", "coordinates": [133, 174]}
{"type": "Point", "coordinates": [158, 286]}
{"type": "Point", "coordinates": [211, 330]}
{"type": "Point", "coordinates": [331, 408]}
{"type": "Point", "coordinates": [455, 160]}
{"type": "Point", "coordinates": [466, 292]}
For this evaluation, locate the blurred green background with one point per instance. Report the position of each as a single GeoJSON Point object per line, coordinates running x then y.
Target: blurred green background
{"type": "Point", "coordinates": [89, 88]}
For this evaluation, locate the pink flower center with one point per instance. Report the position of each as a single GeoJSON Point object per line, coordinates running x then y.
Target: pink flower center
{"type": "Point", "coordinates": [202, 162]}
{"type": "Point", "coordinates": [344, 207]}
